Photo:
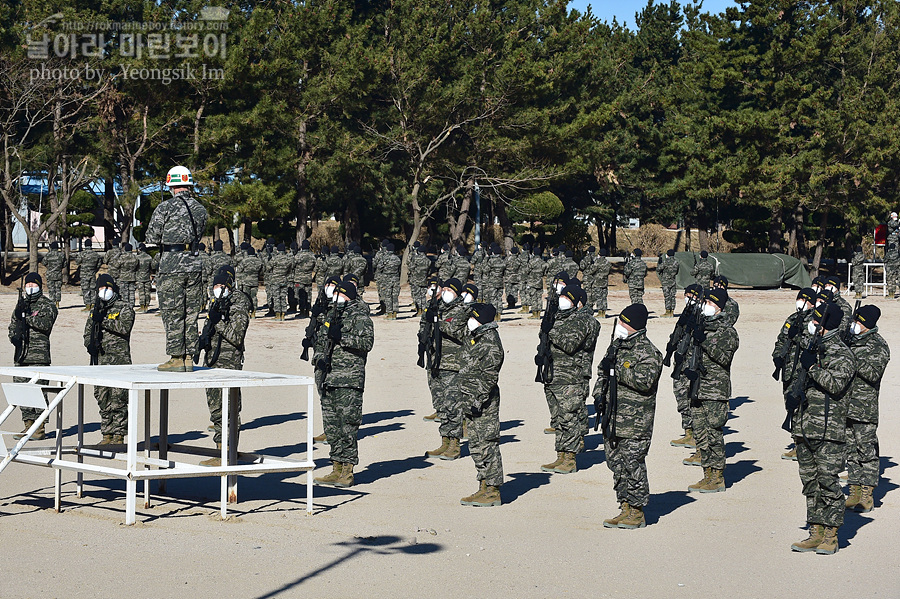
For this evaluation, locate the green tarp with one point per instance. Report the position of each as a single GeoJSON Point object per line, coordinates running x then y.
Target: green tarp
{"type": "Point", "coordinates": [765, 271]}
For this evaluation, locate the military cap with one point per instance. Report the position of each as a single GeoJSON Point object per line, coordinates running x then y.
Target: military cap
{"type": "Point", "coordinates": [704, 254]}
{"type": "Point", "coordinates": [635, 316]}
{"type": "Point", "coordinates": [807, 294]}
{"type": "Point", "coordinates": [471, 289]}
{"type": "Point", "coordinates": [454, 284]}
{"type": "Point", "coordinates": [33, 277]}
{"type": "Point", "coordinates": [637, 252]}
{"type": "Point", "coordinates": [351, 278]}
{"type": "Point", "coordinates": [828, 315]}
{"type": "Point", "coordinates": [868, 316]}
{"type": "Point", "coordinates": [718, 296]}
{"type": "Point", "coordinates": [105, 280]}
{"type": "Point", "coordinates": [484, 313]}
{"type": "Point", "coordinates": [349, 289]}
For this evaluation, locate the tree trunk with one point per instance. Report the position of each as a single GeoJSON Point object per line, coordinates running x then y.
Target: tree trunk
{"type": "Point", "coordinates": [248, 229]}
{"type": "Point", "coordinates": [301, 204]}
{"type": "Point", "coordinates": [776, 236]}
{"type": "Point", "coordinates": [458, 224]}
{"type": "Point", "coordinates": [109, 211]}
{"type": "Point", "coordinates": [820, 244]}
{"type": "Point", "coordinates": [352, 228]}
{"type": "Point", "coordinates": [505, 225]}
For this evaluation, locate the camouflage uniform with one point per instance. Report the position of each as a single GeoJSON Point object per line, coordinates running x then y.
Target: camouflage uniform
{"type": "Point", "coordinates": [703, 271]}
{"type": "Point", "coordinates": [819, 431]}
{"type": "Point", "coordinates": [511, 279]}
{"type": "Point", "coordinates": [479, 371]}
{"type": "Point", "coordinates": [281, 266]}
{"type": "Point", "coordinates": [444, 266]}
{"type": "Point", "coordinates": [478, 260]}
{"type": "Point", "coordinates": [731, 312]}
{"type": "Point", "coordinates": [589, 270]}
{"type": "Point", "coordinates": [111, 258]}
{"type": "Point", "coordinates": [145, 263]}
{"type": "Point", "coordinates": [247, 279]}
{"type": "Point", "coordinates": [419, 268]}
{"type": "Point", "coordinates": [667, 270]}
{"type": "Point", "coordinates": [54, 261]}
{"type": "Point", "coordinates": [872, 356]}
{"type": "Point", "coordinates": [573, 335]}
{"type": "Point", "coordinates": [391, 277]}
{"type": "Point", "coordinates": [180, 287]}
{"type": "Point", "coordinates": [228, 340]}
{"type": "Point", "coordinates": [304, 265]}
{"type": "Point", "coordinates": [461, 268]}
{"type": "Point", "coordinates": [492, 276]}
{"type": "Point", "coordinates": [795, 335]}
{"type": "Point", "coordinates": [635, 272]}
{"type": "Point", "coordinates": [128, 265]}
{"type": "Point", "coordinates": [710, 412]}
{"type": "Point", "coordinates": [90, 262]}
{"type": "Point", "coordinates": [356, 264]}
{"type": "Point", "coordinates": [893, 227]}
{"type": "Point", "coordinates": [569, 265]}
{"type": "Point", "coordinates": [858, 272]}
{"type": "Point", "coordinates": [115, 344]}
{"type": "Point", "coordinates": [892, 270]}
{"type": "Point", "coordinates": [533, 283]}
{"type": "Point", "coordinates": [344, 381]}
{"type": "Point", "coordinates": [638, 366]}
{"type": "Point", "coordinates": [603, 268]}
{"type": "Point", "coordinates": [40, 314]}
{"type": "Point", "coordinates": [452, 321]}
{"type": "Point", "coordinates": [320, 272]}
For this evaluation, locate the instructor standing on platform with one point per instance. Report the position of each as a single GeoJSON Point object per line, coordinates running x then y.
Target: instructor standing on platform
{"type": "Point", "coordinates": [176, 227]}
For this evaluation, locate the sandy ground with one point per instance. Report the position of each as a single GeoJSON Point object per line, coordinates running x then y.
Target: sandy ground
{"type": "Point", "coordinates": [400, 532]}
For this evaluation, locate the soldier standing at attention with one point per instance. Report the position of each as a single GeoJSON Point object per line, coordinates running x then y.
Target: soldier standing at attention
{"type": "Point", "coordinates": [356, 265]}
{"type": "Point", "coordinates": [703, 270]}
{"type": "Point", "coordinates": [419, 269]}
{"type": "Point", "coordinates": [461, 266]}
{"type": "Point", "coordinates": [377, 273]}
{"type": "Point", "coordinates": [320, 267]}
{"type": "Point", "coordinates": [281, 266]}
{"type": "Point", "coordinates": [667, 271]}
{"type": "Point", "coordinates": [893, 227]}
{"type": "Point", "coordinates": [569, 265]}
{"type": "Point", "coordinates": [872, 356]}
{"type": "Point", "coordinates": [38, 313]}
{"type": "Point", "coordinates": [603, 268]}
{"type": "Point", "coordinates": [334, 264]}
{"type": "Point", "coordinates": [391, 276]}
{"type": "Point", "coordinates": [534, 282]}
{"type": "Point", "coordinates": [636, 364]}
{"type": "Point", "coordinates": [819, 429]}
{"type": "Point", "coordinates": [431, 313]}
{"type": "Point", "coordinates": [494, 274]}
{"type": "Point", "coordinates": [111, 258]}
{"type": "Point", "coordinates": [511, 278]}
{"type": "Point", "coordinates": [107, 337]}
{"type": "Point", "coordinates": [892, 269]}
{"type": "Point", "coordinates": [718, 341]}
{"type": "Point", "coordinates": [350, 336]}
{"type": "Point", "coordinates": [681, 384]}
{"type": "Point", "coordinates": [304, 265]}
{"type": "Point", "coordinates": [176, 227]}
{"type": "Point", "coordinates": [443, 265]}
{"type": "Point", "coordinates": [90, 262]}
{"type": "Point", "coordinates": [54, 261]}
{"type": "Point", "coordinates": [858, 270]}
{"type": "Point", "coordinates": [635, 272]}
{"type": "Point", "coordinates": [145, 263]}
{"type": "Point", "coordinates": [478, 258]}
{"type": "Point", "coordinates": [479, 372]}
{"type": "Point", "coordinates": [128, 265]}
{"type": "Point", "coordinates": [247, 277]}
{"type": "Point", "coordinates": [833, 284]}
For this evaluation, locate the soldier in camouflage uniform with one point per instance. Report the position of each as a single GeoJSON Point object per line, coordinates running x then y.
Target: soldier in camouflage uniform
{"type": "Point", "coordinates": [634, 274]}
{"type": "Point", "coordinates": [533, 289]}
{"type": "Point", "coordinates": [603, 268]}
{"type": "Point", "coordinates": [391, 281]}
{"type": "Point", "coordinates": [819, 430]}
{"type": "Point", "coordinates": [572, 336]}
{"type": "Point", "coordinates": [89, 262]}
{"type": "Point", "coordinates": [833, 284]}
{"type": "Point", "coordinates": [304, 265]}
{"type": "Point", "coordinates": [667, 271]}
{"type": "Point", "coordinates": [636, 364]}
{"type": "Point", "coordinates": [588, 266]}
{"type": "Point", "coordinates": [732, 311]}
{"type": "Point", "coordinates": [681, 384]}
{"type": "Point", "coordinates": [111, 258]}
{"type": "Point", "coordinates": [892, 269]}
{"type": "Point", "coordinates": [511, 278]}
{"type": "Point", "coordinates": [281, 267]}
{"type": "Point", "coordinates": [111, 319]}
{"type": "Point", "coordinates": [142, 281]}
{"type": "Point", "coordinates": [554, 264]}
{"type": "Point", "coordinates": [320, 267]}
{"type": "Point", "coordinates": [54, 261]}
{"type": "Point", "coordinates": [444, 265]}
{"type": "Point", "coordinates": [718, 341]}
{"type": "Point", "coordinates": [872, 356]}
{"type": "Point", "coordinates": [247, 277]}
{"type": "Point", "coordinates": [355, 264]}
{"type": "Point", "coordinates": [893, 227]}
{"type": "Point", "coordinates": [377, 271]}
{"type": "Point", "coordinates": [128, 265]}
{"type": "Point", "coordinates": [569, 265]}
{"type": "Point", "coordinates": [479, 372]}
{"type": "Point", "coordinates": [206, 274]}
{"type": "Point", "coordinates": [350, 334]}
{"type": "Point", "coordinates": [703, 270]}
{"type": "Point", "coordinates": [217, 259]}
{"type": "Point", "coordinates": [493, 274]}
{"type": "Point", "coordinates": [858, 272]}
{"type": "Point", "coordinates": [231, 309]}
{"type": "Point", "coordinates": [39, 312]}
{"type": "Point", "coordinates": [176, 227]}
{"type": "Point", "coordinates": [419, 269]}
{"type": "Point", "coordinates": [431, 313]}
{"type": "Point", "coordinates": [479, 256]}
{"type": "Point", "coordinates": [460, 262]}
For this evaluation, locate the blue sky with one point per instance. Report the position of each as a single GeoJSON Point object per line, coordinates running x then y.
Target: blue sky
{"type": "Point", "coordinates": [624, 10]}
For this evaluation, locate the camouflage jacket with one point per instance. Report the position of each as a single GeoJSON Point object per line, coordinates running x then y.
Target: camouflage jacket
{"type": "Point", "coordinates": [128, 265]}
{"type": "Point", "coordinates": [145, 267]}
{"type": "Point", "coordinates": [554, 265]}
{"type": "Point", "coordinates": [217, 260]}
{"type": "Point", "coordinates": [588, 266]}
{"type": "Point", "coordinates": [54, 261]}
{"type": "Point", "coordinates": [40, 314]}
{"type": "Point", "coordinates": [90, 262]}
{"type": "Point", "coordinates": [281, 265]}
{"type": "Point", "coordinates": [570, 338]}
{"type": "Point", "coordinates": [111, 259]}
{"type": "Point", "coordinates": [232, 329]}
{"type": "Point", "coordinates": [115, 330]}
{"type": "Point", "coordinates": [872, 356]}
{"type": "Point", "coordinates": [348, 359]}
{"type": "Point", "coordinates": [357, 265]}
{"type": "Point", "coordinates": [603, 268]}
{"type": "Point", "coordinates": [635, 272]}
{"type": "Point", "coordinates": [453, 318]}
{"type": "Point", "coordinates": [844, 305]}
{"type": "Point", "coordinates": [419, 268]}
{"type": "Point", "coordinates": [304, 266]}
{"type": "Point", "coordinates": [731, 312]}
{"type": "Point", "coordinates": [334, 266]}
{"type": "Point", "coordinates": [893, 227]}
{"type": "Point", "coordinates": [796, 321]}
{"type": "Point", "coordinates": [480, 366]}
{"type": "Point", "coordinates": [638, 366]}
{"type": "Point", "coordinates": [570, 266]}
{"type": "Point", "coordinates": [171, 224]}
{"type": "Point", "coordinates": [824, 413]}
{"type": "Point", "coordinates": [205, 268]}
{"type": "Point", "coordinates": [858, 260]}
{"type": "Point", "coordinates": [511, 273]}
{"type": "Point", "coordinates": [703, 271]}
{"type": "Point", "coordinates": [494, 272]}
{"type": "Point", "coordinates": [392, 264]}
{"type": "Point", "coordinates": [248, 271]}
{"type": "Point", "coordinates": [444, 266]}
{"type": "Point", "coordinates": [378, 261]}
{"type": "Point", "coordinates": [535, 270]}
{"type": "Point", "coordinates": [461, 268]}
{"type": "Point", "coordinates": [667, 269]}
{"type": "Point", "coordinates": [718, 350]}
{"type": "Point", "coordinates": [587, 350]}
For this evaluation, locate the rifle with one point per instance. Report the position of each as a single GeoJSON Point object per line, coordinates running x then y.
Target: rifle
{"type": "Point", "coordinates": [681, 327]}
{"type": "Point", "coordinates": [333, 319]}
{"type": "Point", "coordinates": [21, 331]}
{"type": "Point", "coordinates": [606, 401]}
{"type": "Point", "coordinates": [692, 321]}
{"type": "Point", "coordinates": [796, 397]}
{"type": "Point", "coordinates": [695, 368]}
{"type": "Point", "coordinates": [431, 340]}
{"type": "Point", "coordinates": [845, 334]}
{"type": "Point", "coordinates": [95, 344]}
{"type": "Point", "coordinates": [544, 359]}
{"type": "Point", "coordinates": [798, 320]}
{"type": "Point", "coordinates": [217, 313]}
{"type": "Point", "coordinates": [312, 328]}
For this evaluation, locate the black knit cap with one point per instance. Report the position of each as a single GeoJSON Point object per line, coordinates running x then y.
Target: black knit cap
{"type": "Point", "coordinates": [141, 247]}
{"type": "Point", "coordinates": [526, 247]}
{"type": "Point", "coordinates": [433, 279]}
{"type": "Point", "coordinates": [280, 247]}
{"type": "Point", "coordinates": [251, 251]}
{"type": "Point", "coordinates": [704, 254]}
{"type": "Point", "coordinates": [348, 289]}
{"type": "Point", "coordinates": [833, 280]}
{"type": "Point", "coordinates": [571, 292]}
{"type": "Point", "coordinates": [718, 296]}
{"type": "Point", "coordinates": [202, 246]}
{"type": "Point", "coordinates": [555, 251]}
{"type": "Point", "coordinates": [721, 281]}
{"type": "Point", "coordinates": [569, 253]}
{"type": "Point", "coordinates": [591, 249]}
{"type": "Point", "coordinates": [472, 290]}
{"type": "Point", "coordinates": [326, 250]}
{"type": "Point", "coordinates": [514, 250]}
{"type": "Point", "coordinates": [87, 243]}
{"type": "Point", "coordinates": [336, 250]}
{"type": "Point", "coordinates": [603, 252]}
{"type": "Point", "coordinates": [829, 316]}
{"type": "Point", "coordinates": [454, 284]}
{"type": "Point", "coordinates": [670, 253]}
{"type": "Point", "coordinates": [483, 313]}
{"type": "Point", "coordinates": [417, 244]}
{"type": "Point", "coordinates": [820, 281]}
{"type": "Point", "coordinates": [305, 244]}
{"type": "Point", "coordinates": [332, 281]}
{"type": "Point", "coordinates": [637, 252]}
{"type": "Point", "coordinates": [635, 316]}
{"type": "Point", "coordinates": [223, 278]}
{"type": "Point", "coordinates": [217, 245]}
{"type": "Point", "coordinates": [54, 245]}
{"type": "Point", "coordinates": [868, 315]}
{"type": "Point", "coordinates": [227, 270]}
{"type": "Point", "coordinates": [389, 247]}
{"type": "Point", "coordinates": [245, 246]}
{"type": "Point", "coordinates": [693, 289]}
{"type": "Point", "coordinates": [825, 295]}
{"type": "Point", "coordinates": [351, 278]}
{"type": "Point", "coordinates": [384, 242]}
{"type": "Point", "coordinates": [105, 280]}
{"type": "Point", "coordinates": [294, 246]}
{"type": "Point", "coordinates": [807, 294]}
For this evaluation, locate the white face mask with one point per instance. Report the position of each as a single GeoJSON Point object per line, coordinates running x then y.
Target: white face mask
{"type": "Point", "coordinates": [620, 332]}
{"type": "Point", "coordinates": [447, 296]}
{"type": "Point", "coordinates": [467, 298]}
{"type": "Point", "coordinates": [340, 300]}
{"type": "Point", "coordinates": [329, 291]}
{"type": "Point", "coordinates": [709, 310]}
{"type": "Point", "coordinates": [856, 329]}
{"type": "Point", "coordinates": [473, 324]}
{"type": "Point", "coordinates": [687, 301]}
{"type": "Point", "coordinates": [32, 290]}
{"type": "Point", "coordinates": [565, 303]}
{"type": "Point", "coordinates": [801, 304]}
{"type": "Point", "coordinates": [220, 292]}
{"type": "Point", "coordinates": [106, 294]}
{"type": "Point", "coordinates": [560, 287]}
{"type": "Point", "coordinates": [811, 327]}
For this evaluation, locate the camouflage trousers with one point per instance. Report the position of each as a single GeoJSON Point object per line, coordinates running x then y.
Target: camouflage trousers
{"type": "Point", "coordinates": [445, 398]}
{"type": "Point", "coordinates": [214, 394]}
{"type": "Point", "coordinates": [143, 290]}
{"type": "Point", "coordinates": [859, 279]}
{"type": "Point", "coordinates": [602, 298]}
{"type": "Point", "coordinates": [494, 296]}
{"type": "Point", "coordinates": [512, 292]}
{"type": "Point", "coordinates": [126, 291]}
{"type": "Point", "coordinates": [636, 294]}
{"type": "Point", "coordinates": [681, 386]}
{"type": "Point", "coordinates": [391, 294]}
{"type": "Point", "coordinates": [820, 463]}
{"type": "Point", "coordinates": [180, 296]}
{"type": "Point", "coordinates": [342, 415]}
{"type": "Point", "coordinates": [302, 296]}
{"type": "Point", "coordinates": [31, 413]}
{"type": "Point", "coordinates": [531, 296]}
{"type": "Point", "coordinates": [113, 405]}
{"type": "Point", "coordinates": [279, 296]}
{"type": "Point", "coordinates": [89, 288]}
{"type": "Point", "coordinates": [54, 290]}
{"type": "Point", "coordinates": [627, 462]}
{"type": "Point", "coordinates": [709, 421]}
{"type": "Point", "coordinates": [418, 296]}
{"type": "Point", "coordinates": [568, 414]}
{"type": "Point", "coordinates": [892, 276]}
{"type": "Point", "coordinates": [484, 440]}
{"type": "Point", "coordinates": [862, 453]}
{"type": "Point", "coordinates": [252, 292]}
{"type": "Point", "coordinates": [669, 296]}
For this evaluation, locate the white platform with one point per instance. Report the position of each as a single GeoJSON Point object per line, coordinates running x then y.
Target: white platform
{"type": "Point", "coordinates": [141, 379]}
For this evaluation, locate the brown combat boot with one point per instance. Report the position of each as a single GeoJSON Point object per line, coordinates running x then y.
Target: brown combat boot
{"type": "Point", "coordinates": [601, 313]}
{"type": "Point", "coordinates": [858, 295]}
{"type": "Point", "coordinates": [452, 452]}
{"type": "Point", "coordinates": [614, 522]}
{"type": "Point", "coordinates": [471, 499]}
{"type": "Point", "coordinates": [790, 455]}
{"type": "Point", "coordinates": [489, 498]}
{"type": "Point", "coordinates": [686, 441]}
{"type": "Point", "coordinates": [346, 477]}
{"type": "Point", "coordinates": [175, 364]}
{"type": "Point", "coordinates": [634, 518]}
{"type": "Point", "coordinates": [216, 461]}
{"type": "Point", "coordinates": [117, 440]}
{"type": "Point", "coordinates": [694, 460]}
{"type": "Point", "coordinates": [87, 308]}
{"type": "Point", "coordinates": [549, 431]}
{"type": "Point", "coordinates": [700, 483]}
{"type": "Point", "coordinates": [28, 424]}
{"type": "Point", "coordinates": [549, 467]}
{"type": "Point", "coordinates": [829, 544]}
{"type": "Point", "coordinates": [567, 465]}
{"type": "Point", "coordinates": [854, 497]}
{"type": "Point", "coordinates": [107, 440]}
{"type": "Point", "coordinates": [431, 418]}
{"type": "Point", "coordinates": [716, 482]}
{"type": "Point", "coordinates": [331, 478]}
{"type": "Point", "coordinates": [815, 538]}
{"type": "Point", "coordinates": [866, 501]}
{"type": "Point", "coordinates": [535, 315]}
{"type": "Point", "coordinates": [188, 363]}
{"type": "Point", "coordinates": [445, 443]}
{"type": "Point", "coordinates": [323, 438]}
